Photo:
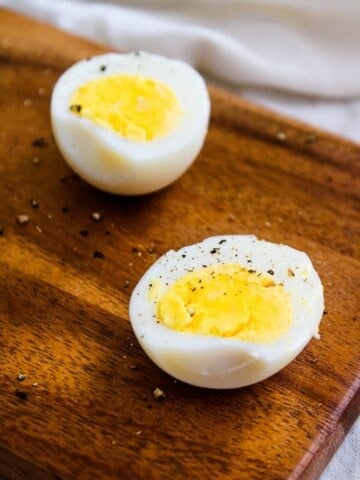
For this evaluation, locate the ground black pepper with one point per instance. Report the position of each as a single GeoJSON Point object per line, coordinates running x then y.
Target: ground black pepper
{"type": "Point", "coordinates": [158, 394]}
{"type": "Point", "coordinates": [22, 219]}
{"type": "Point", "coordinates": [21, 394]}
{"type": "Point", "coordinates": [75, 108]}
{"type": "Point", "coordinates": [281, 136]}
{"type": "Point", "coordinates": [96, 216]}
{"type": "Point", "coordinates": [40, 142]}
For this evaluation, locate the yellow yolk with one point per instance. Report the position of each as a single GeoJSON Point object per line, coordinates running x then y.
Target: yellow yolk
{"type": "Point", "coordinates": [226, 301]}
{"type": "Point", "coordinates": [135, 107]}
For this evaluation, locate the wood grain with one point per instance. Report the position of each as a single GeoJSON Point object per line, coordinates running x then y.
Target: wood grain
{"type": "Point", "coordinates": [85, 409]}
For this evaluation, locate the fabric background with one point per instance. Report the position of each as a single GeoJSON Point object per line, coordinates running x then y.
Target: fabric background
{"type": "Point", "coordinates": [299, 57]}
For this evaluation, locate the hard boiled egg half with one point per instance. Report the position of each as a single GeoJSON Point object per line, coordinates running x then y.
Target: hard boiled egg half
{"type": "Point", "coordinates": [130, 123]}
{"type": "Point", "coordinates": [228, 311]}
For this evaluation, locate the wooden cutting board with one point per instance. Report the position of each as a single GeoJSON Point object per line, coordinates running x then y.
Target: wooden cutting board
{"type": "Point", "coordinates": [86, 409]}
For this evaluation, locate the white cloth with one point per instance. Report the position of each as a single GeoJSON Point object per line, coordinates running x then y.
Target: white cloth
{"type": "Point", "coordinates": [300, 57]}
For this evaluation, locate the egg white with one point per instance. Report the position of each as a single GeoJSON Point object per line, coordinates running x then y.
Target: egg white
{"type": "Point", "coordinates": [113, 163]}
{"type": "Point", "coordinates": [217, 362]}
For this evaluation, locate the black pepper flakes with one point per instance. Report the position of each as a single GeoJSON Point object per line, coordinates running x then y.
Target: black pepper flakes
{"type": "Point", "coordinates": [103, 68]}
{"type": "Point", "coordinates": [222, 241]}
{"type": "Point", "coordinates": [281, 136]}
{"type": "Point", "coordinates": [96, 216]}
{"type": "Point", "coordinates": [75, 108]}
{"type": "Point", "coordinates": [34, 203]}
{"type": "Point", "coordinates": [40, 142]}
{"type": "Point", "coordinates": [215, 250]}
{"type": "Point", "coordinates": [290, 273]}
{"type": "Point", "coordinates": [21, 394]}
{"type": "Point", "coordinates": [98, 254]}
{"type": "Point", "coordinates": [270, 272]}
{"type": "Point", "coordinates": [158, 394]}
{"type": "Point", "coordinates": [22, 219]}
{"type": "Point", "coordinates": [313, 360]}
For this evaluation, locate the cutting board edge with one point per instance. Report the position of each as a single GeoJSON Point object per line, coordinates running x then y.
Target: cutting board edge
{"type": "Point", "coordinates": [315, 461]}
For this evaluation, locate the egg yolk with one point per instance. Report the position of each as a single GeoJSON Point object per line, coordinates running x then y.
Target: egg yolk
{"type": "Point", "coordinates": [226, 301]}
{"type": "Point", "coordinates": [135, 107]}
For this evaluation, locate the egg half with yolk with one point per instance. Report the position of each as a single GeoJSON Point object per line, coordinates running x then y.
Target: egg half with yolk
{"type": "Point", "coordinates": [227, 312]}
{"type": "Point", "coordinates": [130, 123]}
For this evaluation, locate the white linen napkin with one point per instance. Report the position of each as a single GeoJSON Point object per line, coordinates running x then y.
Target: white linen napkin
{"type": "Point", "coordinates": [300, 57]}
